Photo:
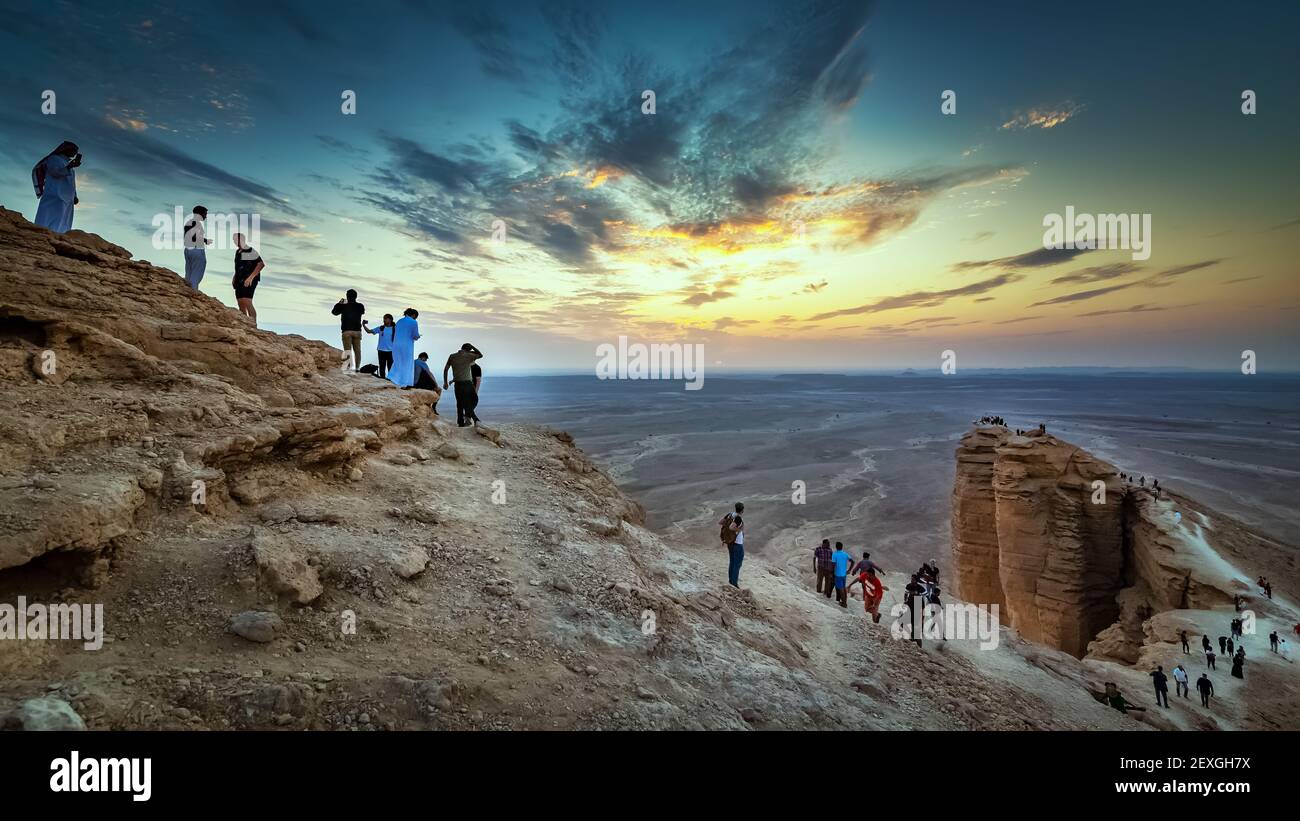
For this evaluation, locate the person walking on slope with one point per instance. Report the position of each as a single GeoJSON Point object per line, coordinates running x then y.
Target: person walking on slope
{"type": "Point", "coordinates": [405, 334]}
{"type": "Point", "coordinates": [349, 312]}
{"type": "Point", "coordinates": [841, 560]}
{"type": "Point", "coordinates": [54, 179]}
{"type": "Point", "coordinates": [1182, 636]}
{"type": "Point", "coordinates": [873, 590]}
{"type": "Point", "coordinates": [1205, 643]}
{"type": "Point", "coordinates": [248, 275]}
{"type": "Point", "coordinates": [1180, 681]}
{"type": "Point", "coordinates": [912, 593]}
{"type": "Point", "coordinates": [1162, 687]}
{"type": "Point", "coordinates": [1272, 641]}
{"type": "Point", "coordinates": [384, 343]}
{"type": "Point", "coordinates": [1209, 659]}
{"type": "Point", "coordinates": [733, 536]}
{"type": "Point", "coordinates": [823, 568]}
{"type": "Point", "coordinates": [1206, 688]}
{"type": "Point", "coordinates": [1237, 662]}
{"type": "Point", "coordinates": [1223, 645]}
{"type": "Point", "coordinates": [461, 365]}
{"type": "Point", "coordinates": [196, 243]}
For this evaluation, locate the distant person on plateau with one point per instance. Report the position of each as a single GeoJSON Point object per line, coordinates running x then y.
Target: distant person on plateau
{"type": "Point", "coordinates": [1182, 636]}
{"type": "Point", "coordinates": [1180, 681]}
{"type": "Point", "coordinates": [384, 343]}
{"type": "Point", "coordinates": [1206, 688]}
{"type": "Point", "coordinates": [248, 274]}
{"type": "Point", "coordinates": [54, 179]}
{"type": "Point", "coordinates": [841, 560]}
{"type": "Point", "coordinates": [196, 243]}
{"type": "Point", "coordinates": [461, 365]}
{"type": "Point", "coordinates": [405, 334]}
{"type": "Point", "coordinates": [733, 536]}
{"type": "Point", "coordinates": [1209, 659]}
{"type": "Point", "coordinates": [1272, 641]}
{"type": "Point", "coordinates": [350, 312]}
{"type": "Point", "coordinates": [1162, 686]}
{"type": "Point", "coordinates": [824, 568]}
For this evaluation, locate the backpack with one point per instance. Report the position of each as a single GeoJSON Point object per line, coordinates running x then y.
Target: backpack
{"type": "Point", "coordinates": [38, 175]}
{"type": "Point", "coordinates": [726, 534]}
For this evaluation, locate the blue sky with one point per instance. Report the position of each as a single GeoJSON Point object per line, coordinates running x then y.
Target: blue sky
{"type": "Point", "coordinates": [796, 200]}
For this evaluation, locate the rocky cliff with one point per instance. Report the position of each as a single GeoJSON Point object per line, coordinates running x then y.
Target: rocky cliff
{"type": "Point", "coordinates": [278, 544]}
{"type": "Point", "coordinates": [1070, 551]}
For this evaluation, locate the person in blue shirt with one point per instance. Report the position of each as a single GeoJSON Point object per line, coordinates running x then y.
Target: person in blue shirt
{"type": "Point", "coordinates": [424, 375]}
{"type": "Point", "coordinates": [841, 560]}
{"type": "Point", "coordinates": [385, 342]}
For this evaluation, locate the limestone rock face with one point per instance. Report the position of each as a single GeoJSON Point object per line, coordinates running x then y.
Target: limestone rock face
{"type": "Point", "coordinates": [1051, 534]}
{"type": "Point", "coordinates": [130, 392]}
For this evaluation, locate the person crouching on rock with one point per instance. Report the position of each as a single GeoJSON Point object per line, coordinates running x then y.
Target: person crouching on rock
{"type": "Point", "coordinates": [248, 273]}
{"type": "Point", "coordinates": [424, 376]}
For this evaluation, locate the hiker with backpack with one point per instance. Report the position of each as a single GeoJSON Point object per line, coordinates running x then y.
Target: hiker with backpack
{"type": "Point", "coordinates": [733, 536]}
{"type": "Point", "coordinates": [54, 179]}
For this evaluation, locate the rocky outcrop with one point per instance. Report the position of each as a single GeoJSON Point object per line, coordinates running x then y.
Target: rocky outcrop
{"type": "Point", "coordinates": [126, 391]}
{"type": "Point", "coordinates": [1069, 551]}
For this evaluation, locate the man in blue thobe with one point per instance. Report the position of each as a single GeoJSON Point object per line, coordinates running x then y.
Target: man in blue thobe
{"type": "Point", "coordinates": [55, 181]}
{"type": "Point", "coordinates": [405, 333]}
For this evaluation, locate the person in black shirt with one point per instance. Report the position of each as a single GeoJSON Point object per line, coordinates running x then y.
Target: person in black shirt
{"type": "Point", "coordinates": [349, 312]}
{"type": "Point", "coordinates": [248, 273]}
{"type": "Point", "coordinates": [1162, 687]}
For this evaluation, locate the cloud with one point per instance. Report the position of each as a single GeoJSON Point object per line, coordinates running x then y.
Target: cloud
{"type": "Point", "coordinates": [1083, 295]}
{"type": "Point", "coordinates": [1042, 117]}
{"type": "Point", "coordinates": [1159, 279]}
{"type": "Point", "coordinates": [1136, 309]}
{"type": "Point", "coordinates": [1037, 258]}
{"type": "Point", "coordinates": [1098, 273]}
{"type": "Point", "coordinates": [922, 299]}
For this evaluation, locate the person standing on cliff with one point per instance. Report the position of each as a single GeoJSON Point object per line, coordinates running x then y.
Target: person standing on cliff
{"type": "Point", "coordinates": [461, 365]}
{"type": "Point", "coordinates": [1206, 688]}
{"type": "Point", "coordinates": [385, 333]}
{"type": "Point", "coordinates": [55, 181]}
{"type": "Point", "coordinates": [196, 252]}
{"type": "Point", "coordinates": [733, 535]}
{"type": "Point", "coordinates": [823, 568]}
{"type": "Point", "coordinates": [349, 312]}
{"type": "Point", "coordinates": [1180, 681]}
{"type": "Point", "coordinates": [1162, 686]}
{"type": "Point", "coordinates": [248, 274]}
{"type": "Point", "coordinates": [405, 333]}
{"type": "Point", "coordinates": [1183, 637]}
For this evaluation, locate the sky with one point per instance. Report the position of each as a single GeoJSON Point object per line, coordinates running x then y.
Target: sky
{"type": "Point", "coordinates": [797, 200]}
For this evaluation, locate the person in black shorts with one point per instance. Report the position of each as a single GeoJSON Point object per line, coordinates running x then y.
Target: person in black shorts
{"type": "Point", "coordinates": [477, 373]}
{"type": "Point", "coordinates": [248, 273]}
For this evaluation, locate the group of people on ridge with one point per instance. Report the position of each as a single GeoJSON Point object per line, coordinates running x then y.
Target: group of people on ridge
{"type": "Point", "coordinates": [398, 363]}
